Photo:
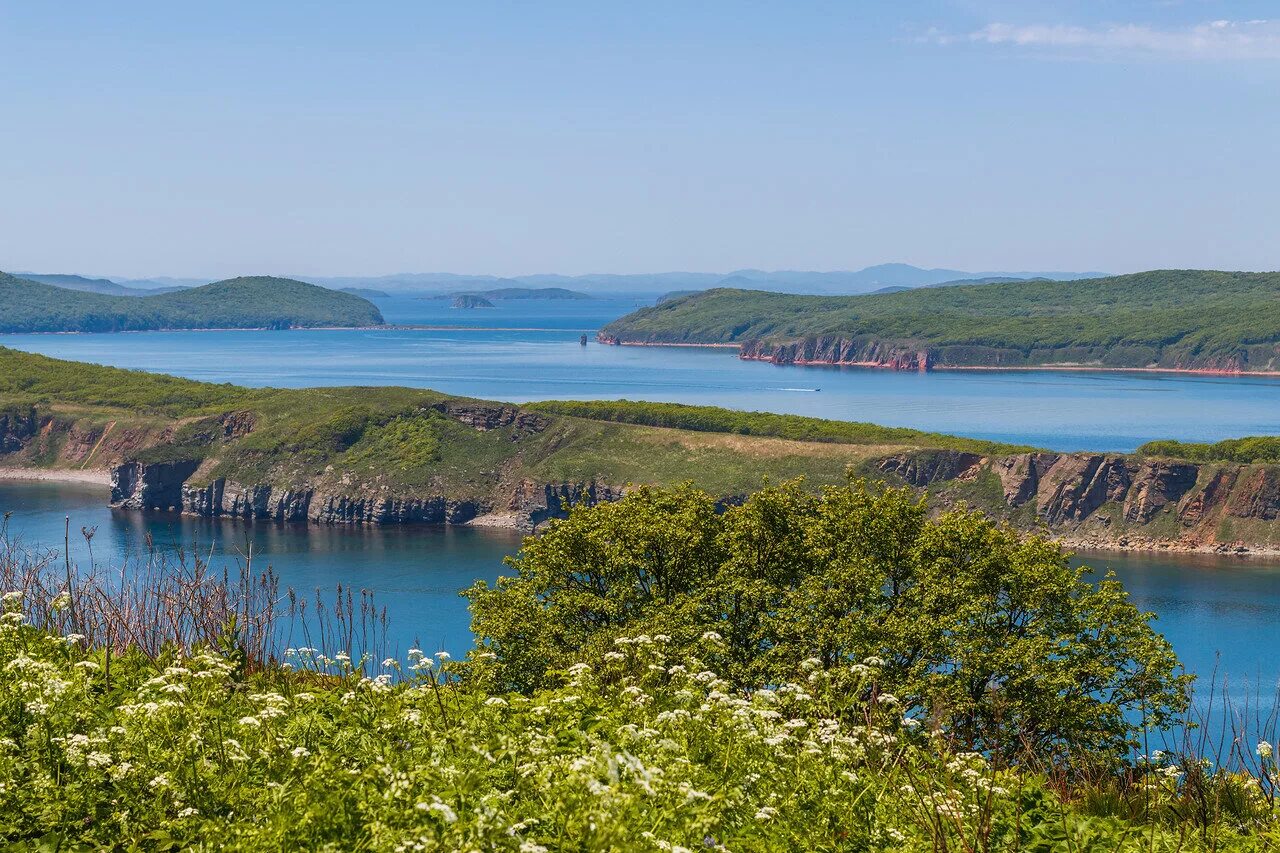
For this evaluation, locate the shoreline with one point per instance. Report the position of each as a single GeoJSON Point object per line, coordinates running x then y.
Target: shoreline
{"type": "Point", "coordinates": [57, 475]}
{"type": "Point", "coordinates": [1061, 367]}
{"type": "Point", "coordinates": [507, 521]}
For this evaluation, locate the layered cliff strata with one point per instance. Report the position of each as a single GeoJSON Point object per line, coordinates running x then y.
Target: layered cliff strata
{"type": "Point", "coordinates": [1109, 500]}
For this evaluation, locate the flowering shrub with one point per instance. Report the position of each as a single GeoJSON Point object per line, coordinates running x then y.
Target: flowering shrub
{"type": "Point", "coordinates": [637, 748]}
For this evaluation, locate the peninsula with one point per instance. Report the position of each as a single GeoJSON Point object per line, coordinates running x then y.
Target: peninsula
{"type": "Point", "coordinates": [1186, 320]}
{"type": "Point", "coordinates": [256, 302]}
{"type": "Point", "coordinates": [398, 455]}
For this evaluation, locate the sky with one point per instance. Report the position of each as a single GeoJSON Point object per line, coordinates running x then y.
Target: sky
{"type": "Point", "coordinates": [209, 140]}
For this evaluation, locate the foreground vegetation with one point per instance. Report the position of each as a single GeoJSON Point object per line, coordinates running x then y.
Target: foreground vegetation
{"type": "Point", "coordinates": [1165, 317]}
{"type": "Point", "coordinates": [786, 711]}
{"type": "Point", "coordinates": [258, 302]}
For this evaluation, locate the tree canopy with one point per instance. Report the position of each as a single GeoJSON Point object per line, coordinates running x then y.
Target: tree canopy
{"type": "Point", "coordinates": [992, 637]}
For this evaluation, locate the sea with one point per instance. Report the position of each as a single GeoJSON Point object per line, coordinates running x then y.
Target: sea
{"type": "Point", "coordinates": [1220, 613]}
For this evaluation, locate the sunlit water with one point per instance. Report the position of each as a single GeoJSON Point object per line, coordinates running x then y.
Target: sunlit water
{"type": "Point", "coordinates": [1220, 613]}
{"type": "Point", "coordinates": [529, 350]}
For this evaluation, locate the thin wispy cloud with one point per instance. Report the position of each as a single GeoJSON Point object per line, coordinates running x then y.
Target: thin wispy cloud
{"type": "Point", "coordinates": [1258, 39]}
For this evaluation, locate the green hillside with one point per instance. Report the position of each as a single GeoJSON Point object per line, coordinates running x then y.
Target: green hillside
{"type": "Point", "coordinates": [1165, 318]}
{"type": "Point", "coordinates": [408, 440]}
{"type": "Point", "coordinates": [238, 303]}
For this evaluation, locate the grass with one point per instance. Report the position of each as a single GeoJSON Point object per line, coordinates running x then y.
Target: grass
{"type": "Point", "coordinates": [791, 427]}
{"type": "Point", "coordinates": [354, 439]}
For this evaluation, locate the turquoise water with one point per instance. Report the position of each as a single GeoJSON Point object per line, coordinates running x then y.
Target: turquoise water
{"type": "Point", "coordinates": [1053, 409]}
{"type": "Point", "coordinates": [1220, 613]}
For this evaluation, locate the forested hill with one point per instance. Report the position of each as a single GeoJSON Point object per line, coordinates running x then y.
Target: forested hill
{"type": "Point", "coordinates": [1175, 319]}
{"type": "Point", "coordinates": [239, 303]}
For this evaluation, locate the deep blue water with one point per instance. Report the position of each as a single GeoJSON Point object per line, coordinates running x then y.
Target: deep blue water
{"type": "Point", "coordinates": [1054, 409]}
{"type": "Point", "coordinates": [1220, 613]}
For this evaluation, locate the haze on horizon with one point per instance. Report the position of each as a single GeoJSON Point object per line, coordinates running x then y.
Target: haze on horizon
{"type": "Point", "coordinates": [151, 139]}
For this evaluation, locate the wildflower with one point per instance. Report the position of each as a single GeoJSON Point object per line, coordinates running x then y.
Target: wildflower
{"type": "Point", "coordinates": [873, 661]}
{"type": "Point", "coordinates": [160, 781]}
{"type": "Point", "coordinates": [188, 812]}
{"type": "Point", "coordinates": [495, 700]}
{"type": "Point", "coordinates": [711, 637]}
{"type": "Point", "coordinates": [414, 654]}
{"type": "Point", "coordinates": [766, 813]}
{"type": "Point", "coordinates": [300, 752]}
{"type": "Point", "coordinates": [391, 662]}
{"type": "Point", "coordinates": [442, 655]}
{"type": "Point", "coordinates": [1264, 749]}
{"type": "Point", "coordinates": [614, 656]}
{"type": "Point", "coordinates": [249, 721]}
{"type": "Point", "coordinates": [446, 814]}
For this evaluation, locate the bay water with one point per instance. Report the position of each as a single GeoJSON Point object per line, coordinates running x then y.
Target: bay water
{"type": "Point", "coordinates": [1220, 613]}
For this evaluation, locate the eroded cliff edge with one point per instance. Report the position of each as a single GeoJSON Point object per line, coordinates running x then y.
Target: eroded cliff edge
{"type": "Point", "coordinates": [1089, 500]}
{"type": "Point", "coordinates": [1095, 500]}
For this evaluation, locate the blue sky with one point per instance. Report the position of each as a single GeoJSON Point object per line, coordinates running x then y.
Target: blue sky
{"type": "Point", "coordinates": [316, 138]}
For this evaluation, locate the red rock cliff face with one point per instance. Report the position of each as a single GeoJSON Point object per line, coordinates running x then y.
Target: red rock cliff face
{"type": "Point", "coordinates": [1110, 500]}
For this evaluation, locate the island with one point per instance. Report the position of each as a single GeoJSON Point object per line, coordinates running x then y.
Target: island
{"type": "Point", "coordinates": [470, 300]}
{"type": "Point", "coordinates": [255, 302]}
{"type": "Point", "coordinates": [502, 293]}
{"type": "Point", "coordinates": [1183, 320]}
{"type": "Point", "coordinates": [402, 455]}
{"type": "Point", "coordinates": [366, 292]}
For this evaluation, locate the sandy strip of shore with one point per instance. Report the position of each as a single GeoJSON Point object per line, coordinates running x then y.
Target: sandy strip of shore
{"type": "Point", "coordinates": [57, 475]}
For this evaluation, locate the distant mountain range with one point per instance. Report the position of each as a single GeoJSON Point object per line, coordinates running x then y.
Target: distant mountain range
{"type": "Point", "coordinates": [842, 282]}
{"type": "Point", "coordinates": [785, 281]}
{"type": "Point", "coordinates": [96, 285]}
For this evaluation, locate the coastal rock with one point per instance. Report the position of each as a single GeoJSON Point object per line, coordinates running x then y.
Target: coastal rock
{"type": "Point", "coordinates": [1020, 475]}
{"type": "Point", "coordinates": [16, 429]}
{"type": "Point", "coordinates": [154, 486]}
{"type": "Point", "coordinates": [1077, 485]}
{"type": "Point", "coordinates": [483, 417]}
{"type": "Point", "coordinates": [539, 502]}
{"type": "Point", "coordinates": [1256, 495]}
{"type": "Point", "coordinates": [1201, 503]}
{"type": "Point", "coordinates": [929, 466]}
{"type": "Point", "coordinates": [1157, 485]}
{"type": "Point", "coordinates": [839, 351]}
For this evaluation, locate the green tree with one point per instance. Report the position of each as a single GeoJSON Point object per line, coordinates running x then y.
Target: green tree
{"type": "Point", "coordinates": [991, 636]}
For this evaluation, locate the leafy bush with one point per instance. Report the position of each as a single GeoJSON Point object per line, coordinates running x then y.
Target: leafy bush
{"type": "Point", "coordinates": [1260, 448]}
{"type": "Point", "coordinates": [991, 635]}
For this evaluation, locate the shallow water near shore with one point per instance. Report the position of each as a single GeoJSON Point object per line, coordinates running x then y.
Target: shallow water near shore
{"type": "Point", "coordinates": [530, 350]}
{"type": "Point", "coordinates": [1219, 613]}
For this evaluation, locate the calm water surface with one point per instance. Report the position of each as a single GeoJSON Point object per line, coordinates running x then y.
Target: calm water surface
{"type": "Point", "coordinates": [1219, 613]}
{"type": "Point", "coordinates": [497, 356]}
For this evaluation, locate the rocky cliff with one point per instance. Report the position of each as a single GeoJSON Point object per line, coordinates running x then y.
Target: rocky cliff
{"type": "Point", "coordinates": [1110, 500]}
{"type": "Point", "coordinates": [163, 486]}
